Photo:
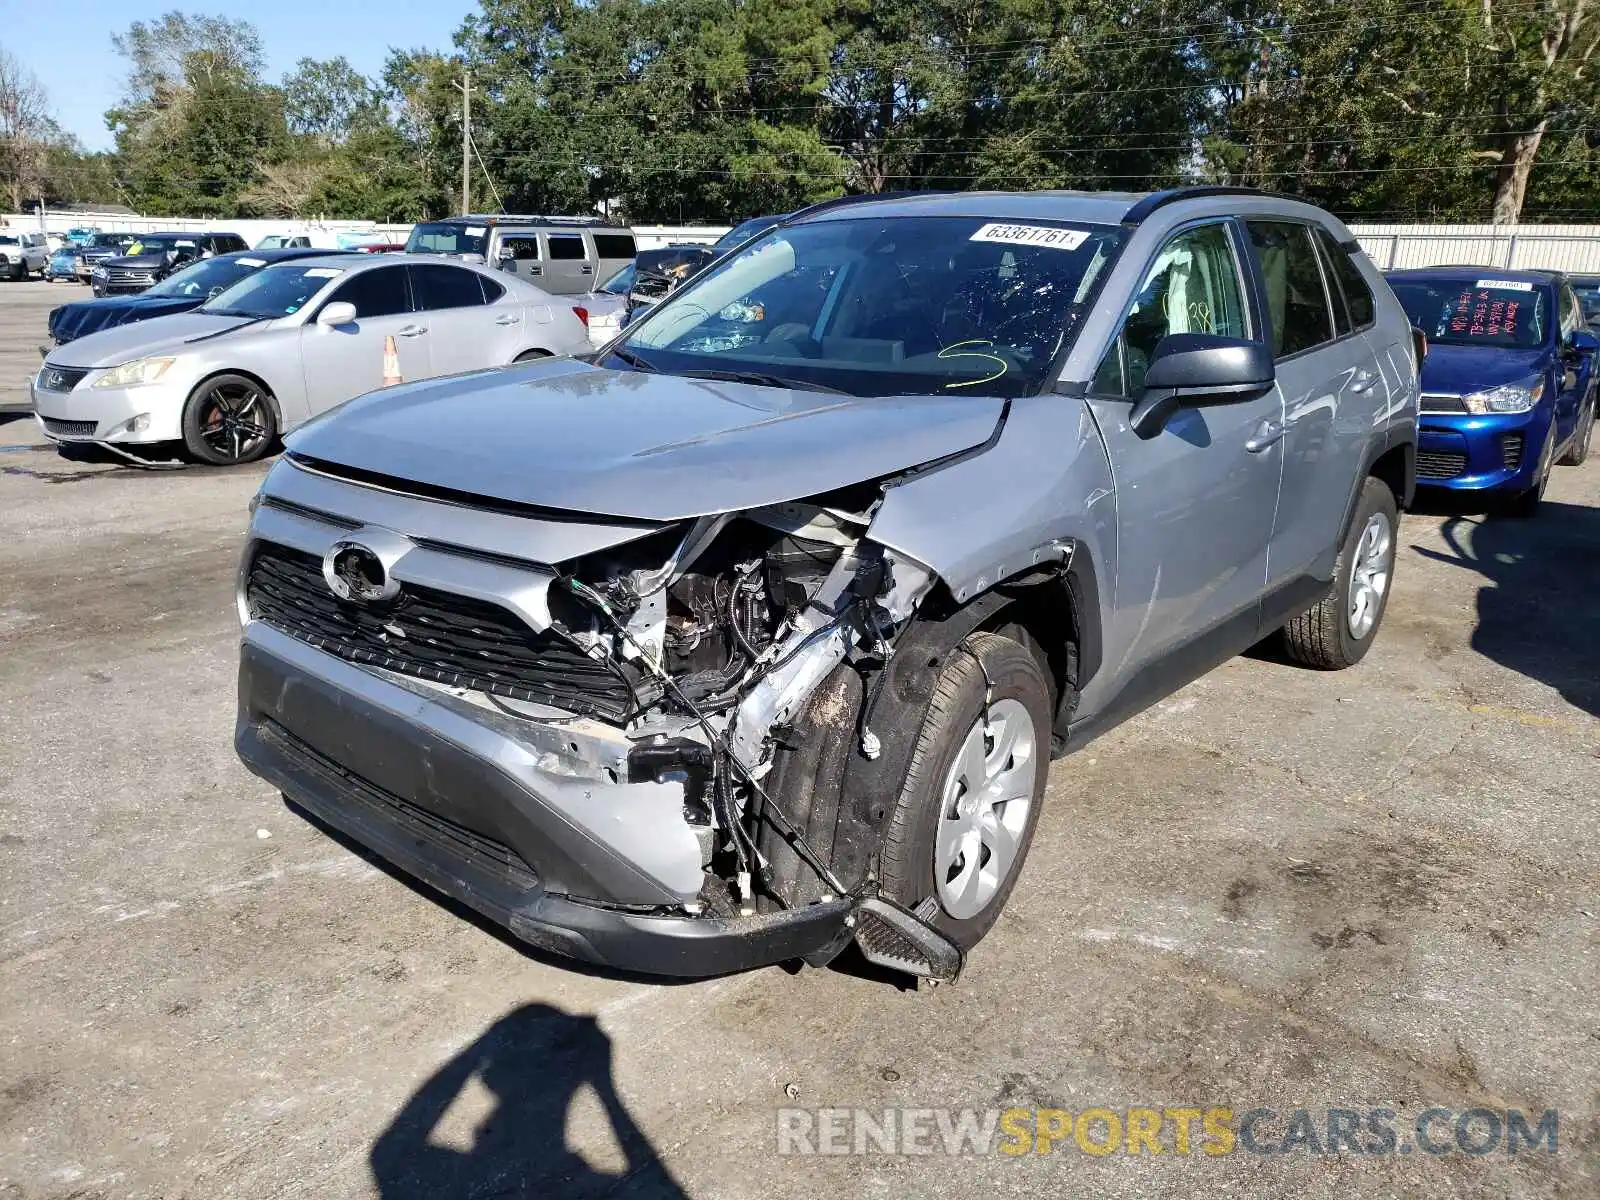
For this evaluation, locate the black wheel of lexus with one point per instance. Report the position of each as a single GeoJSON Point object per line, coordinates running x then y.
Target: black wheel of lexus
{"type": "Point", "coordinates": [965, 816]}
{"type": "Point", "coordinates": [229, 420]}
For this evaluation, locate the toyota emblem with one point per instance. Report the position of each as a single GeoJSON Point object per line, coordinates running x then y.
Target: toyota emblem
{"type": "Point", "coordinates": [355, 572]}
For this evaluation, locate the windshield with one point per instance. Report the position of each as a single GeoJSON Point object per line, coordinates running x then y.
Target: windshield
{"type": "Point", "coordinates": [1589, 296]}
{"type": "Point", "coordinates": [7, 240]}
{"type": "Point", "coordinates": [105, 240]}
{"type": "Point", "coordinates": [620, 283]}
{"type": "Point", "coordinates": [146, 244]}
{"type": "Point", "coordinates": [1484, 311]}
{"type": "Point", "coordinates": [445, 237]}
{"type": "Point", "coordinates": [743, 232]}
{"type": "Point", "coordinates": [885, 306]}
{"type": "Point", "coordinates": [273, 292]}
{"type": "Point", "coordinates": [207, 278]}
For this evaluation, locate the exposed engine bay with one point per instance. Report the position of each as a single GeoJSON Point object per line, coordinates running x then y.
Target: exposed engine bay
{"type": "Point", "coordinates": [719, 632]}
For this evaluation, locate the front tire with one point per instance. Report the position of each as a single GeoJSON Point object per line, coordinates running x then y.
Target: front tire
{"type": "Point", "coordinates": [1337, 632]}
{"type": "Point", "coordinates": [967, 811]}
{"type": "Point", "coordinates": [229, 420]}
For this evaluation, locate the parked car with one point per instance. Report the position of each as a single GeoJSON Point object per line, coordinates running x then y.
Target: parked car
{"type": "Point", "coordinates": [379, 248]}
{"type": "Point", "coordinates": [151, 257]}
{"type": "Point", "coordinates": [285, 343]}
{"type": "Point", "coordinates": [22, 254]}
{"type": "Point", "coordinates": [1508, 388]}
{"type": "Point", "coordinates": [649, 277]}
{"type": "Point", "coordinates": [1587, 288]}
{"type": "Point", "coordinates": [80, 235]}
{"type": "Point", "coordinates": [62, 264]}
{"type": "Point", "coordinates": [756, 635]}
{"type": "Point", "coordinates": [97, 249]}
{"type": "Point", "coordinates": [187, 288]}
{"type": "Point", "coordinates": [562, 255]}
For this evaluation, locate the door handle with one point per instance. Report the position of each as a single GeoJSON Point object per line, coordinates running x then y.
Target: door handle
{"type": "Point", "coordinates": [413, 331]}
{"type": "Point", "coordinates": [585, 270]}
{"type": "Point", "coordinates": [1362, 381]}
{"type": "Point", "coordinates": [1268, 433]}
{"type": "Point", "coordinates": [535, 270]}
{"type": "Point", "coordinates": [508, 319]}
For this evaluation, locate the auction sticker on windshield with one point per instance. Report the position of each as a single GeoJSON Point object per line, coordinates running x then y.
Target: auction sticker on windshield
{"type": "Point", "coordinates": [323, 272]}
{"type": "Point", "coordinates": [1032, 235]}
{"type": "Point", "coordinates": [252, 262]}
{"type": "Point", "coordinates": [1506, 285]}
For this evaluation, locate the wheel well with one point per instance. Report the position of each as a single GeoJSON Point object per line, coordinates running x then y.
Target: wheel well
{"type": "Point", "coordinates": [531, 354]}
{"type": "Point", "coordinates": [1393, 469]}
{"type": "Point", "coordinates": [266, 390]}
{"type": "Point", "coordinates": [1049, 612]}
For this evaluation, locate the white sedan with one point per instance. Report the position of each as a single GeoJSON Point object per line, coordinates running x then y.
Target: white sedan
{"type": "Point", "coordinates": [289, 342]}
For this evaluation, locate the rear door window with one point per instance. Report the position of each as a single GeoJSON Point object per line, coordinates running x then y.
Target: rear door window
{"type": "Point", "coordinates": [565, 247]}
{"type": "Point", "coordinates": [1297, 300]}
{"type": "Point", "coordinates": [1349, 280]}
{"type": "Point", "coordinates": [379, 293]}
{"type": "Point", "coordinates": [434, 286]}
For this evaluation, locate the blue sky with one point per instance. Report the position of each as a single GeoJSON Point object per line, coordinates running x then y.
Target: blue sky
{"type": "Point", "coordinates": [67, 43]}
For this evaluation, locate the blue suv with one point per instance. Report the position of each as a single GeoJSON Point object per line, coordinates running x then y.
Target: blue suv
{"type": "Point", "coordinates": [1508, 385]}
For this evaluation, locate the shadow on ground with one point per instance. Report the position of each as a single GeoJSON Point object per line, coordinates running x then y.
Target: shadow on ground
{"type": "Point", "coordinates": [533, 1063]}
{"type": "Point", "coordinates": [1536, 612]}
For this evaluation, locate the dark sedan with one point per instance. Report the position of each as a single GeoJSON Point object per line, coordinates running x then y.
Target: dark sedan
{"type": "Point", "coordinates": [186, 289]}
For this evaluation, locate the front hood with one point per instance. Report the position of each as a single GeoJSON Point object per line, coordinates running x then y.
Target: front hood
{"type": "Point", "coordinates": [124, 343]}
{"type": "Point", "coordinates": [135, 262]}
{"type": "Point", "coordinates": [1462, 370]}
{"type": "Point", "coordinates": [564, 435]}
{"type": "Point", "coordinates": [76, 320]}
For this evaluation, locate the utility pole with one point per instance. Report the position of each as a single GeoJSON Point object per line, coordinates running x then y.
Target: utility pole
{"type": "Point", "coordinates": [466, 140]}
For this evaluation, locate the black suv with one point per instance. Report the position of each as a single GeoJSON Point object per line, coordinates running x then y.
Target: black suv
{"type": "Point", "coordinates": [151, 257]}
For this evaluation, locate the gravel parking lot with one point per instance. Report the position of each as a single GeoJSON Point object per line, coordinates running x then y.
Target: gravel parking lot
{"type": "Point", "coordinates": [1375, 889]}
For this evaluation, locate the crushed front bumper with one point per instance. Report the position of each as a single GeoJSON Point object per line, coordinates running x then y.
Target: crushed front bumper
{"type": "Point", "coordinates": [583, 868]}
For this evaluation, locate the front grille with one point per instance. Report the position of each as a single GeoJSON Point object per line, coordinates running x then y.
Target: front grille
{"type": "Point", "coordinates": [60, 379]}
{"type": "Point", "coordinates": [1435, 402]}
{"type": "Point", "coordinates": [70, 428]}
{"type": "Point", "coordinates": [1435, 464]}
{"type": "Point", "coordinates": [127, 277]}
{"type": "Point", "coordinates": [435, 635]}
{"type": "Point", "coordinates": [1511, 450]}
{"type": "Point", "coordinates": [355, 792]}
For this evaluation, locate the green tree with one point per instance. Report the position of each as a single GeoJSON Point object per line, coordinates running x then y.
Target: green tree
{"type": "Point", "coordinates": [328, 99]}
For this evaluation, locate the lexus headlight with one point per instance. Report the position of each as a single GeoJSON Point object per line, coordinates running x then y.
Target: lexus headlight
{"type": "Point", "coordinates": [1508, 398]}
{"type": "Point", "coordinates": [132, 374]}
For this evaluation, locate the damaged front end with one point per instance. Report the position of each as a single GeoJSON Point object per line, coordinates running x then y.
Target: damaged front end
{"type": "Point", "coordinates": [572, 724]}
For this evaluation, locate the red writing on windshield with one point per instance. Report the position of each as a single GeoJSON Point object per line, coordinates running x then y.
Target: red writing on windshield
{"type": "Point", "coordinates": [1478, 314]}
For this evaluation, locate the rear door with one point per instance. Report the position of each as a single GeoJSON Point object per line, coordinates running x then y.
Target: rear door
{"type": "Point", "coordinates": [465, 332]}
{"type": "Point", "coordinates": [568, 263]}
{"type": "Point", "coordinates": [613, 251]}
{"type": "Point", "coordinates": [1195, 502]}
{"type": "Point", "coordinates": [347, 360]}
{"type": "Point", "coordinates": [1332, 388]}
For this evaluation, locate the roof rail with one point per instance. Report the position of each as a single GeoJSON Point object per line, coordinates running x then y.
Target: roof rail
{"type": "Point", "coordinates": [1143, 208]}
{"type": "Point", "coordinates": [528, 218]}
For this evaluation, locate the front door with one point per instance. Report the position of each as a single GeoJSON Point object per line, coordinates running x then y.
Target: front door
{"type": "Point", "coordinates": [1576, 368]}
{"type": "Point", "coordinates": [343, 361]}
{"type": "Point", "coordinates": [1195, 502]}
{"type": "Point", "coordinates": [568, 266]}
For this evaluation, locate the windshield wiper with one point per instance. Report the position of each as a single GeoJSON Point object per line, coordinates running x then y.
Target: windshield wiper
{"type": "Point", "coordinates": [633, 360]}
{"type": "Point", "coordinates": [763, 379]}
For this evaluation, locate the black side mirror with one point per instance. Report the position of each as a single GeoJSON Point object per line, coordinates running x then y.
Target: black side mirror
{"type": "Point", "coordinates": [1188, 367]}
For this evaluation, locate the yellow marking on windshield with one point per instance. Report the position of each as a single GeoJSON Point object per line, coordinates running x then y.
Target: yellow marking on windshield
{"type": "Point", "coordinates": [996, 359]}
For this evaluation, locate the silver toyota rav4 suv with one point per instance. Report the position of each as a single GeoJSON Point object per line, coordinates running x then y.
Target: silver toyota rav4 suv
{"type": "Point", "coordinates": [755, 635]}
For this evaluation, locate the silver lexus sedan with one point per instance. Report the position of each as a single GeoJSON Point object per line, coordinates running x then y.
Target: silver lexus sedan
{"type": "Point", "coordinates": [287, 343]}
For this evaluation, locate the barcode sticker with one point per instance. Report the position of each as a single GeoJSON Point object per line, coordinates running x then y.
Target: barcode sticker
{"type": "Point", "coordinates": [1032, 235]}
{"type": "Point", "coordinates": [1508, 285]}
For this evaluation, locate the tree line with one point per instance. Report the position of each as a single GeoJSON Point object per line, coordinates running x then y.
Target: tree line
{"type": "Point", "coordinates": [711, 110]}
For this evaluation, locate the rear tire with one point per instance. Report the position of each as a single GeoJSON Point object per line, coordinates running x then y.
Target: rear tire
{"type": "Point", "coordinates": [966, 813]}
{"type": "Point", "coordinates": [1338, 632]}
{"type": "Point", "coordinates": [229, 420]}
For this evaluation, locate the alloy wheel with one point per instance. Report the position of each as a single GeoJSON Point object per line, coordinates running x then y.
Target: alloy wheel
{"type": "Point", "coordinates": [231, 420]}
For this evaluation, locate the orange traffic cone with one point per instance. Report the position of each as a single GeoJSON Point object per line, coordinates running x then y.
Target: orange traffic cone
{"type": "Point", "coordinates": [391, 363]}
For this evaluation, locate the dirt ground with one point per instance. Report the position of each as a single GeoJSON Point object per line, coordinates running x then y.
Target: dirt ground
{"type": "Point", "coordinates": [1279, 888]}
